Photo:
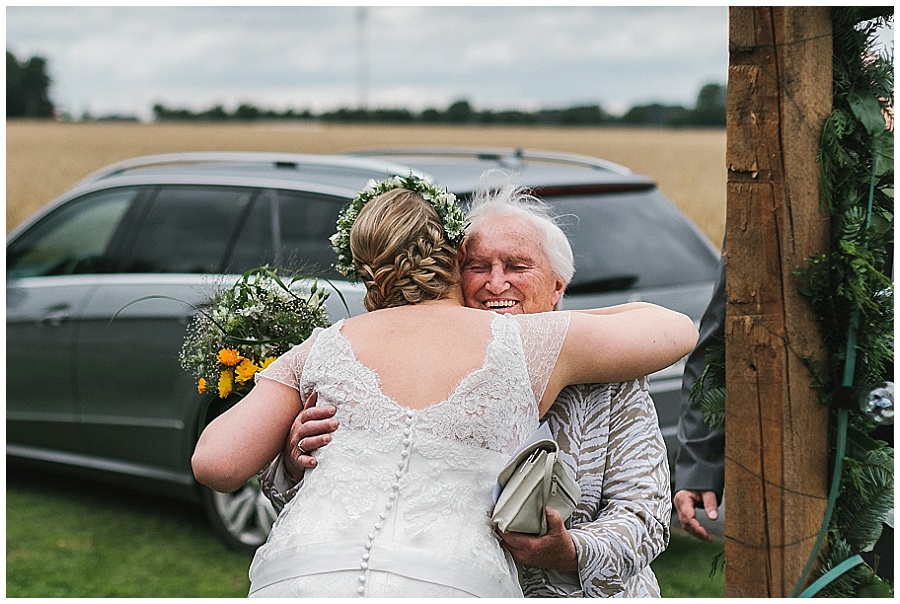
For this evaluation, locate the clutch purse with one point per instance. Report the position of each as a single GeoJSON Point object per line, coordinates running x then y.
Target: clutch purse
{"type": "Point", "coordinates": [534, 478]}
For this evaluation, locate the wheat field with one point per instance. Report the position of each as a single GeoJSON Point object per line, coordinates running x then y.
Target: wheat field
{"type": "Point", "coordinates": [43, 159]}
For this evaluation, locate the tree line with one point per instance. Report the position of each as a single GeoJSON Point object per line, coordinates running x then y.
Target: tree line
{"type": "Point", "coordinates": [28, 85]}
{"type": "Point", "coordinates": [27, 88]}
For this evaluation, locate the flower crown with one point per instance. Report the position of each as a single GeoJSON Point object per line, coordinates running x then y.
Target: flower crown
{"type": "Point", "coordinates": [452, 217]}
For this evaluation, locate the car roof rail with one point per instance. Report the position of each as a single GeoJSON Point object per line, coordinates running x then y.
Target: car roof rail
{"type": "Point", "coordinates": [504, 155]}
{"type": "Point", "coordinates": [284, 160]}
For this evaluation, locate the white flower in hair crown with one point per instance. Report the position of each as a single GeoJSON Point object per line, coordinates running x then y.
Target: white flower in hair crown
{"type": "Point", "coordinates": [452, 217]}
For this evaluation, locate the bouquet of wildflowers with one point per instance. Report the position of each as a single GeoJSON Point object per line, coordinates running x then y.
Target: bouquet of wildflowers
{"type": "Point", "coordinates": [242, 329]}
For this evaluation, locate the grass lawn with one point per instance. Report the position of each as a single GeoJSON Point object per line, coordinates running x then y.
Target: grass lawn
{"type": "Point", "coordinates": [68, 538]}
{"type": "Point", "coordinates": [71, 538]}
{"type": "Point", "coordinates": [686, 568]}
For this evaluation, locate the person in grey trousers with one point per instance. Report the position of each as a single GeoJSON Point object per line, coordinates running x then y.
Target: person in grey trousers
{"type": "Point", "coordinates": [700, 464]}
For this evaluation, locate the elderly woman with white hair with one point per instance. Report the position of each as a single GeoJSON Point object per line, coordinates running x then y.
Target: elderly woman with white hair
{"type": "Point", "coordinates": [433, 397]}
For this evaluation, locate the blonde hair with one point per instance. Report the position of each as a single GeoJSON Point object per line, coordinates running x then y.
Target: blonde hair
{"type": "Point", "coordinates": [400, 251]}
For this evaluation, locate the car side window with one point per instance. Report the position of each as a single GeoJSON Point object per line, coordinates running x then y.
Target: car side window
{"type": "Point", "coordinates": [288, 229]}
{"type": "Point", "coordinates": [188, 229]}
{"type": "Point", "coordinates": [73, 239]}
{"type": "Point", "coordinates": [306, 222]}
{"type": "Point", "coordinates": [253, 244]}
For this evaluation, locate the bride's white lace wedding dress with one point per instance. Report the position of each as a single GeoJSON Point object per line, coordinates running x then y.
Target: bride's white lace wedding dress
{"type": "Point", "coordinates": [399, 504]}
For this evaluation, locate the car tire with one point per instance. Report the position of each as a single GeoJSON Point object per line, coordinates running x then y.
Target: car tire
{"type": "Point", "coordinates": [241, 519]}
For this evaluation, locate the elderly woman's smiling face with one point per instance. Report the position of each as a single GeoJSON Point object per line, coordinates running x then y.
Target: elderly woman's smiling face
{"type": "Point", "coordinates": [506, 269]}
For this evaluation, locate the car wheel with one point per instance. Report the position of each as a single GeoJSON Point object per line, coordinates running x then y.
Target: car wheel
{"type": "Point", "coordinates": [242, 519]}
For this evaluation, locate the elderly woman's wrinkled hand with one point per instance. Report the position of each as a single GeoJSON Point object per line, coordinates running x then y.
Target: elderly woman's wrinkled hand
{"type": "Point", "coordinates": [310, 431]}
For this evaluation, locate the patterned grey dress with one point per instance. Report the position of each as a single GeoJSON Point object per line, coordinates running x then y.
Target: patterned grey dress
{"type": "Point", "coordinates": [610, 434]}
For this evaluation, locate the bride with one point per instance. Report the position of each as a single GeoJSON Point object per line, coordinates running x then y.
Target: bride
{"type": "Point", "coordinates": [433, 398]}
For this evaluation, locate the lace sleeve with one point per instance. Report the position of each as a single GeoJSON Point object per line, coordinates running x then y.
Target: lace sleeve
{"type": "Point", "coordinates": [288, 368]}
{"type": "Point", "coordinates": [543, 335]}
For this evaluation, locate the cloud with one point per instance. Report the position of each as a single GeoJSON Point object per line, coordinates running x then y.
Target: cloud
{"type": "Point", "coordinates": [124, 59]}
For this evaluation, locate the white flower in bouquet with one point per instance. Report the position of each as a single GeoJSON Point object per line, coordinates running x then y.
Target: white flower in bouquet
{"type": "Point", "coordinates": [243, 329]}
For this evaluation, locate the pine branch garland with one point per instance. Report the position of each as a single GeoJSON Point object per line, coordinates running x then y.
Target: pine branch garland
{"type": "Point", "coordinates": [856, 158]}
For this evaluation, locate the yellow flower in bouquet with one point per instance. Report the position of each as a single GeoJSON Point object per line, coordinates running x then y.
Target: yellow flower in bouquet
{"type": "Point", "coordinates": [244, 328]}
{"type": "Point", "coordinates": [226, 383]}
{"type": "Point", "coordinates": [245, 371]}
{"type": "Point", "coordinates": [229, 357]}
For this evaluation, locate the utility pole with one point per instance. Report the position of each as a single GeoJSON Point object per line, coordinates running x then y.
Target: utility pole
{"type": "Point", "coordinates": [362, 17]}
{"type": "Point", "coordinates": [776, 443]}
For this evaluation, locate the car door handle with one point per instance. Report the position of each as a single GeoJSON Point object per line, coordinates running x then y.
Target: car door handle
{"type": "Point", "coordinates": [56, 315]}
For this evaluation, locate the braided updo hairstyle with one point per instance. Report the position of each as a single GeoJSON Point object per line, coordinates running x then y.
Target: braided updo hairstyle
{"type": "Point", "coordinates": [400, 251]}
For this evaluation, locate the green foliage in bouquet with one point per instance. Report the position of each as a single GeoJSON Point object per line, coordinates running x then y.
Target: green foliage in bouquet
{"type": "Point", "coordinates": [244, 328]}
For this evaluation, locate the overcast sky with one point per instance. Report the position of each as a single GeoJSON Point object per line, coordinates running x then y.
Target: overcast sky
{"type": "Point", "coordinates": [123, 60]}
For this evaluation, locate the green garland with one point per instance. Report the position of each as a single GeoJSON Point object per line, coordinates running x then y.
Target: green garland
{"type": "Point", "coordinates": [849, 290]}
{"type": "Point", "coordinates": [857, 159]}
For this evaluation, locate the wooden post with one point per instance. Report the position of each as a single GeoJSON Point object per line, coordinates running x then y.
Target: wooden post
{"type": "Point", "coordinates": [779, 94]}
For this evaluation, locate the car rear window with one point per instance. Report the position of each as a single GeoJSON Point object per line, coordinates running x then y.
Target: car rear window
{"type": "Point", "coordinates": [632, 240]}
{"type": "Point", "coordinates": [188, 229]}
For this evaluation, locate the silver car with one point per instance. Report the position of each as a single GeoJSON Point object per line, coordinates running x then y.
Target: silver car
{"type": "Point", "coordinates": [108, 398]}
